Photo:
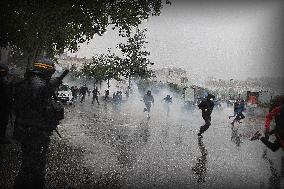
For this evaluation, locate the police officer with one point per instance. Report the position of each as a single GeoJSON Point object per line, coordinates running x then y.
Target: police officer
{"type": "Point", "coordinates": [5, 101]}
{"type": "Point", "coordinates": [36, 118]}
{"type": "Point", "coordinates": [206, 107]}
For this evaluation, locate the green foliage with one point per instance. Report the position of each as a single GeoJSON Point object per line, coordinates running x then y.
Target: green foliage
{"type": "Point", "coordinates": [135, 62]}
{"type": "Point", "coordinates": [74, 72]}
{"type": "Point", "coordinates": [52, 26]}
{"type": "Point", "coordinates": [144, 84]}
{"type": "Point", "coordinates": [103, 67]}
{"type": "Point", "coordinates": [173, 87]}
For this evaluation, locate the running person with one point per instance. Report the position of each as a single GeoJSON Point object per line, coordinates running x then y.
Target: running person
{"type": "Point", "coordinates": [148, 100]}
{"type": "Point", "coordinates": [239, 112]}
{"type": "Point", "coordinates": [236, 104]}
{"type": "Point", "coordinates": [95, 95]}
{"type": "Point", "coordinates": [207, 107]}
{"type": "Point", "coordinates": [83, 90]}
{"type": "Point", "coordinates": [168, 100]}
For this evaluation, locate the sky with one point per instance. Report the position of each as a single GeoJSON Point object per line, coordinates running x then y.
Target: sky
{"type": "Point", "coordinates": [236, 40]}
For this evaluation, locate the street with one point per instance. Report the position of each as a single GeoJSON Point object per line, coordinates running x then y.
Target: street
{"type": "Point", "coordinates": [117, 146]}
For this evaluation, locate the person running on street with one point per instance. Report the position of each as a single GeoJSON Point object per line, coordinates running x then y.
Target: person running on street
{"type": "Point", "coordinates": [148, 100]}
{"type": "Point", "coordinates": [74, 91]}
{"type": "Point", "coordinates": [95, 95]}
{"type": "Point", "coordinates": [236, 105]}
{"type": "Point", "coordinates": [167, 100]}
{"type": "Point", "coordinates": [277, 113]}
{"type": "Point", "coordinates": [239, 112]}
{"type": "Point", "coordinates": [83, 90]}
{"type": "Point", "coordinates": [106, 97]}
{"type": "Point", "coordinates": [206, 107]}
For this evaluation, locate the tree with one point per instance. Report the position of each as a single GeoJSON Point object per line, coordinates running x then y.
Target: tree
{"type": "Point", "coordinates": [50, 26]}
{"type": "Point", "coordinates": [135, 63]}
{"type": "Point", "coordinates": [103, 67]}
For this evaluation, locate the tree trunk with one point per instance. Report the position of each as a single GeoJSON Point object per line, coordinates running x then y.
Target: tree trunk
{"type": "Point", "coordinates": [95, 83]}
{"type": "Point", "coordinates": [129, 82]}
{"type": "Point", "coordinates": [108, 84]}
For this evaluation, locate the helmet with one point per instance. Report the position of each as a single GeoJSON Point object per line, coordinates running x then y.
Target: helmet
{"type": "Point", "coordinates": [148, 92]}
{"type": "Point", "coordinates": [209, 96]}
{"type": "Point", "coordinates": [3, 70]}
{"type": "Point", "coordinates": [42, 66]}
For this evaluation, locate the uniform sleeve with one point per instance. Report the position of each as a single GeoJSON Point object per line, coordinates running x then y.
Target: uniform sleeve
{"type": "Point", "coordinates": [271, 115]}
{"type": "Point", "coordinates": [201, 105]}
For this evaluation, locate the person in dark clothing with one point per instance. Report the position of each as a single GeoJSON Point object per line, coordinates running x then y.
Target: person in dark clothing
{"type": "Point", "coordinates": [236, 105]}
{"type": "Point", "coordinates": [168, 99]}
{"type": "Point", "coordinates": [239, 112]}
{"type": "Point", "coordinates": [5, 101]}
{"type": "Point", "coordinates": [148, 101]}
{"type": "Point", "coordinates": [95, 95]}
{"type": "Point", "coordinates": [276, 112]}
{"type": "Point", "coordinates": [206, 107]}
{"type": "Point", "coordinates": [74, 91]}
{"type": "Point", "coordinates": [106, 97]}
{"type": "Point", "coordinates": [37, 115]}
{"type": "Point", "coordinates": [119, 96]}
{"type": "Point", "coordinates": [83, 91]}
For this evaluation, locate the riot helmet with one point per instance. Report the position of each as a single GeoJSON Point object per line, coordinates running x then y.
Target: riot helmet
{"type": "Point", "coordinates": [210, 96]}
{"type": "Point", "coordinates": [42, 66]}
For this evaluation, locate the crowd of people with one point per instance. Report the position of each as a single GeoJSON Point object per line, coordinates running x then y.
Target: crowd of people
{"type": "Point", "coordinates": [37, 115]}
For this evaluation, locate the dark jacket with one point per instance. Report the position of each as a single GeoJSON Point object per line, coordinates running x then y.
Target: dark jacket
{"type": "Point", "coordinates": [206, 106]}
{"type": "Point", "coordinates": [32, 97]}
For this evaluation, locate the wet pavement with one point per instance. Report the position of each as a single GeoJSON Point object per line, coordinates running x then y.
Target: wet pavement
{"type": "Point", "coordinates": [117, 146]}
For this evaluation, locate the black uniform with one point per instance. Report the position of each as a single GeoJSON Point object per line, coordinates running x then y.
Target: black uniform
{"type": "Point", "coordinates": [36, 117]}
{"type": "Point", "coordinates": [95, 95]}
{"type": "Point", "coordinates": [5, 100]}
{"type": "Point", "coordinates": [83, 91]}
{"type": "Point", "coordinates": [207, 107]}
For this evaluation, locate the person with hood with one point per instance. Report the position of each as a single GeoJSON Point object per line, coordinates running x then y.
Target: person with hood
{"type": "Point", "coordinates": [206, 107]}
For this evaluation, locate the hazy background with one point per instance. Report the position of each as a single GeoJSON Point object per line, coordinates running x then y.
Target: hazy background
{"type": "Point", "coordinates": [225, 40]}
